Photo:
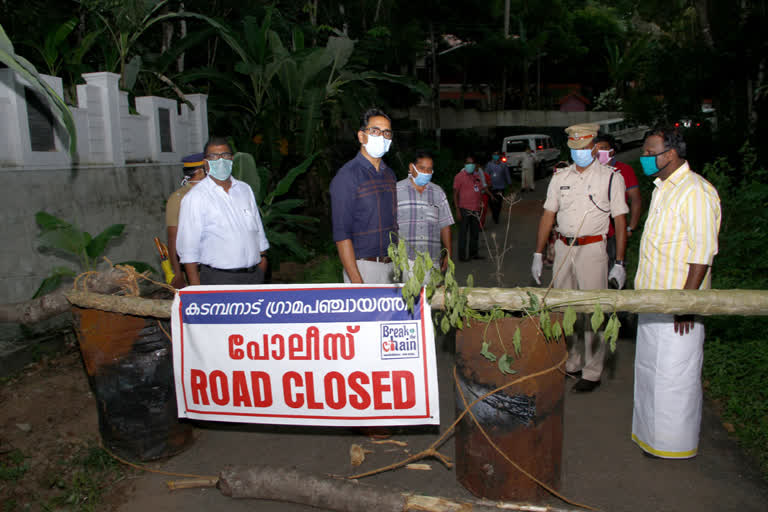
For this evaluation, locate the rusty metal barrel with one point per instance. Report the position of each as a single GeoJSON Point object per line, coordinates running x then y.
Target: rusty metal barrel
{"type": "Point", "coordinates": [130, 367]}
{"type": "Point", "coordinates": [524, 420]}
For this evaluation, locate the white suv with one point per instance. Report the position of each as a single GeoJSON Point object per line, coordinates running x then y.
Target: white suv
{"type": "Point", "coordinates": [545, 153]}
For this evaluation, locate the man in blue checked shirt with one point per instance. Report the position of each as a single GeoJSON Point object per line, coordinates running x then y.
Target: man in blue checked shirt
{"type": "Point", "coordinates": [423, 213]}
{"type": "Point", "coordinates": [500, 180]}
{"type": "Point", "coordinates": [364, 205]}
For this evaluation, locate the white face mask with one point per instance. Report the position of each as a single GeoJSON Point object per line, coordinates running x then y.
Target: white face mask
{"type": "Point", "coordinates": [187, 179]}
{"type": "Point", "coordinates": [377, 146]}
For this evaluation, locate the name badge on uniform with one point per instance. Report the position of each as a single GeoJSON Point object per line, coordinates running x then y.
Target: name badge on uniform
{"type": "Point", "coordinates": [565, 188]}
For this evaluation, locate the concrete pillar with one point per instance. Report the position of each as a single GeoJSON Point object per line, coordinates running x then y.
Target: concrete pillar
{"type": "Point", "coordinates": [199, 118]}
{"type": "Point", "coordinates": [103, 89]}
{"type": "Point", "coordinates": [16, 150]}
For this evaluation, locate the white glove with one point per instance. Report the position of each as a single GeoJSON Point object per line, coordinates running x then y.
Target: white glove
{"type": "Point", "coordinates": [619, 274]}
{"type": "Point", "coordinates": [536, 267]}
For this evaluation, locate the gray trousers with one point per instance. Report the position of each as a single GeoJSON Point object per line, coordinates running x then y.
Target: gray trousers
{"type": "Point", "coordinates": [210, 275]}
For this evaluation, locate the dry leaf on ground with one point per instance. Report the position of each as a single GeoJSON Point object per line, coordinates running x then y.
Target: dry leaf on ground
{"type": "Point", "coordinates": [357, 454]}
{"type": "Point", "coordinates": [390, 441]}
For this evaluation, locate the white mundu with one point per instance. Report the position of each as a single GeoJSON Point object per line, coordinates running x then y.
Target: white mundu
{"type": "Point", "coordinates": [668, 395]}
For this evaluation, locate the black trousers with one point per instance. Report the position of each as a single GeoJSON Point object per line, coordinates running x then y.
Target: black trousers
{"type": "Point", "coordinates": [469, 232]}
{"type": "Point", "coordinates": [210, 275]}
{"type": "Point", "coordinates": [496, 202]}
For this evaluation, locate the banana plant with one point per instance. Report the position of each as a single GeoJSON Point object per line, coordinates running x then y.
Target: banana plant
{"type": "Point", "coordinates": [60, 57]}
{"type": "Point", "coordinates": [280, 223]}
{"type": "Point", "coordinates": [74, 244]}
{"type": "Point", "coordinates": [27, 71]}
{"type": "Point", "coordinates": [288, 92]}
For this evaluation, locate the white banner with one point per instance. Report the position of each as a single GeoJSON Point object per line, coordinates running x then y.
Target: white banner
{"type": "Point", "coordinates": [344, 355]}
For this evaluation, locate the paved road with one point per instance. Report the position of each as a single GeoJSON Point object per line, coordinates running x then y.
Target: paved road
{"type": "Point", "coordinates": [601, 466]}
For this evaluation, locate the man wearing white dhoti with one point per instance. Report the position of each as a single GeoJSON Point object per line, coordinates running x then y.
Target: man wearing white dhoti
{"type": "Point", "coordinates": [676, 251]}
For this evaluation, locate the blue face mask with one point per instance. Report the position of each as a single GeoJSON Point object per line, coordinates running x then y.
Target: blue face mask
{"type": "Point", "coordinates": [220, 169]}
{"type": "Point", "coordinates": [649, 164]}
{"type": "Point", "coordinates": [495, 158]}
{"type": "Point", "coordinates": [582, 157]}
{"type": "Point", "coordinates": [422, 178]}
{"type": "Point", "coordinates": [470, 168]}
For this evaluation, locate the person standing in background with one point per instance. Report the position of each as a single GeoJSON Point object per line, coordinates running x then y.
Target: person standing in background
{"type": "Point", "coordinates": [194, 173]}
{"type": "Point", "coordinates": [528, 170]}
{"type": "Point", "coordinates": [423, 213]}
{"type": "Point", "coordinates": [582, 197]}
{"type": "Point", "coordinates": [364, 205]}
{"type": "Point", "coordinates": [500, 180]}
{"type": "Point", "coordinates": [468, 189]}
{"type": "Point", "coordinates": [606, 154]}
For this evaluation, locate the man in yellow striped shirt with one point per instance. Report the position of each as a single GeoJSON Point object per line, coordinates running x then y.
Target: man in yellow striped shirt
{"type": "Point", "coordinates": [676, 251]}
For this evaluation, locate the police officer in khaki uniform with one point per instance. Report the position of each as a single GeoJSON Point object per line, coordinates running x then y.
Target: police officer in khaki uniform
{"type": "Point", "coordinates": [582, 197]}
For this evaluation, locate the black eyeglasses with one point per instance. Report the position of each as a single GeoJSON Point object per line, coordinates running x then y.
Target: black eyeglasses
{"type": "Point", "coordinates": [372, 130]}
{"type": "Point", "coordinates": [216, 156]}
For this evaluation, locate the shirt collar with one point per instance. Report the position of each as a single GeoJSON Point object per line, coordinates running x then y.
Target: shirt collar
{"type": "Point", "coordinates": [674, 178]}
{"type": "Point", "coordinates": [208, 181]}
{"type": "Point", "coordinates": [361, 160]}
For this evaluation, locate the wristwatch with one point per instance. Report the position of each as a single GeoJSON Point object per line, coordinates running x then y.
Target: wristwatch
{"type": "Point", "coordinates": [619, 262]}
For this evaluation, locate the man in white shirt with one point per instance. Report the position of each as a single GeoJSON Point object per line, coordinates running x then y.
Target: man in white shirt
{"type": "Point", "coordinates": [221, 239]}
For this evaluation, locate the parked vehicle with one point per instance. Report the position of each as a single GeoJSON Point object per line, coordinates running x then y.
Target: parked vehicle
{"type": "Point", "coordinates": [545, 153]}
{"type": "Point", "coordinates": [624, 132]}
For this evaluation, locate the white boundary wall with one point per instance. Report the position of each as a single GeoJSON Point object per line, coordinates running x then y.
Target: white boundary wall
{"type": "Point", "coordinates": [107, 134]}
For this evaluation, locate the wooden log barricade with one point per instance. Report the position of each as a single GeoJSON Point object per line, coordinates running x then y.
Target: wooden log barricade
{"type": "Point", "coordinates": [699, 302]}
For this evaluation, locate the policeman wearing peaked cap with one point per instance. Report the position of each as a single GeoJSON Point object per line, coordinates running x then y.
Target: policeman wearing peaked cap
{"type": "Point", "coordinates": [582, 197]}
{"type": "Point", "coordinates": [193, 167]}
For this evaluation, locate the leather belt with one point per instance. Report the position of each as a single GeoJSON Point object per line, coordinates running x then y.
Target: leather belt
{"type": "Point", "coordinates": [378, 259]}
{"type": "Point", "coordinates": [246, 270]}
{"type": "Point", "coordinates": [582, 240]}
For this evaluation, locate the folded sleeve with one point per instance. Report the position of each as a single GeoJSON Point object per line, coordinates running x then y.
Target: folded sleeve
{"type": "Point", "coordinates": [190, 229]}
{"type": "Point", "coordinates": [552, 203]}
{"type": "Point", "coordinates": [701, 211]}
{"type": "Point", "coordinates": [618, 197]}
{"type": "Point", "coordinates": [172, 210]}
{"type": "Point", "coordinates": [444, 210]}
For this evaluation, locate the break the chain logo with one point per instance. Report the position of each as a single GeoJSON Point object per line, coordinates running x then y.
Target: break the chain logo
{"type": "Point", "coordinates": [400, 340]}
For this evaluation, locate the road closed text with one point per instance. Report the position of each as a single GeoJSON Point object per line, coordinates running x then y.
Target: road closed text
{"type": "Point", "coordinates": [376, 390]}
{"type": "Point", "coordinates": [319, 362]}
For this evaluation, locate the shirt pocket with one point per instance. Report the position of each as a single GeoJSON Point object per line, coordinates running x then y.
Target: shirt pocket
{"type": "Point", "coordinates": [431, 214]}
{"type": "Point", "coordinates": [566, 198]}
{"type": "Point", "coordinates": [250, 220]}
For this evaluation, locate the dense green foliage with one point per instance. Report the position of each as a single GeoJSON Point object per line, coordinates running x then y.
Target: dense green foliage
{"type": "Point", "coordinates": [736, 352]}
{"type": "Point", "coordinates": [76, 246]}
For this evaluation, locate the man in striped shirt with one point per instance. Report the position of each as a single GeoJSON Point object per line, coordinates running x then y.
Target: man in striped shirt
{"type": "Point", "coordinates": [423, 213]}
{"type": "Point", "coordinates": [676, 251]}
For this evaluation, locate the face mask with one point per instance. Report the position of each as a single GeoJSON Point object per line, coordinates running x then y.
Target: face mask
{"type": "Point", "coordinates": [470, 168]}
{"type": "Point", "coordinates": [220, 169]}
{"type": "Point", "coordinates": [377, 145]}
{"type": "Point", "coordinates": [582, 157]}
{"type": "Point", "coordinates": [649, 164]}
{"type": "Point", "coordinates": [421, 178]}
{"type": "Point", "coordinates": [495, 158]}
{"type": "Point", "coordinates": [604, 156]}
{"type": "Point", "coordinates": [188, 179]}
